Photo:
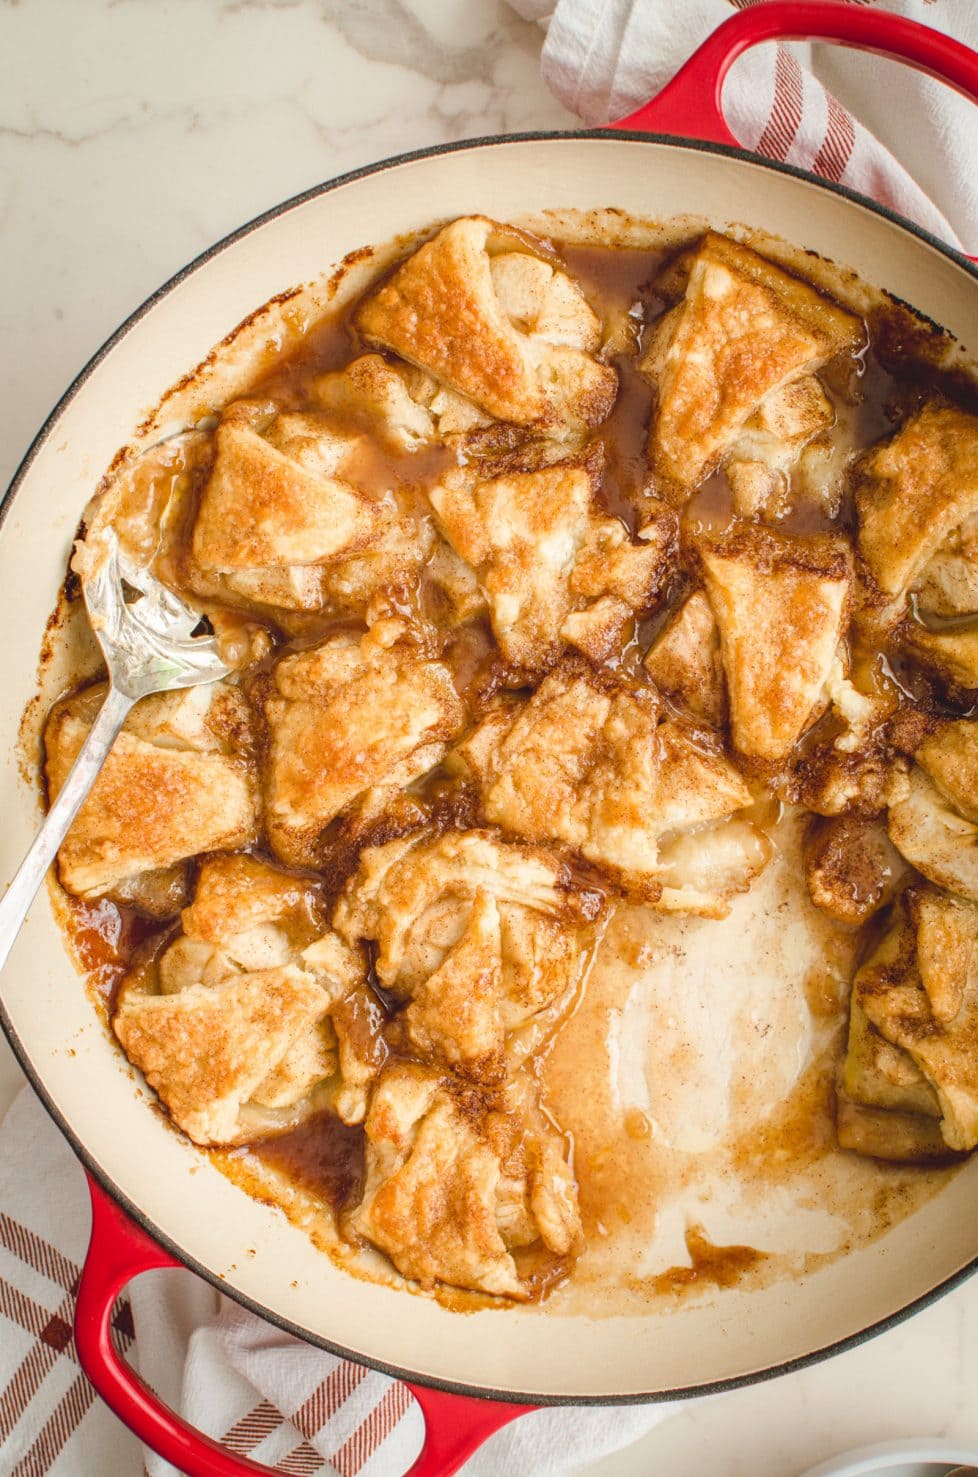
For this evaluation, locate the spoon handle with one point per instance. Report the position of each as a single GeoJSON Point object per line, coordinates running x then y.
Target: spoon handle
{"type": "Point", "coordinates": [44, 848]}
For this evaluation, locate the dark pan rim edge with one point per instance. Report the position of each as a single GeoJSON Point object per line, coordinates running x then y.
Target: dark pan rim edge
{"type": "Point", "coordinates": [815, 1356]}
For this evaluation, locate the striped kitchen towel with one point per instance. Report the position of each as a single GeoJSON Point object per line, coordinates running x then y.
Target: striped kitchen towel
{"type": "Point", "coordinates": [263, 1394]}
{"type": "Point", "coordinates": [822, 108]}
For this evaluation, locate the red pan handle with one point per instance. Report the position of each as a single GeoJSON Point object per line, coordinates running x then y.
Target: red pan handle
{"type": "Point", "coordinates": [455, 1425]}
{"type": "Point", "coordinates": [691, 104]}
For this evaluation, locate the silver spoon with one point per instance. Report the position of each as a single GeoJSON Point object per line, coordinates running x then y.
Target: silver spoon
{"type": "Point", "coordinates": [147, 638]}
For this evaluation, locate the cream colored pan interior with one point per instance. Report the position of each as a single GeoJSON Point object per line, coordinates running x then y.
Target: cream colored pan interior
{"type": "Point", "coordinates": [180, 1195]}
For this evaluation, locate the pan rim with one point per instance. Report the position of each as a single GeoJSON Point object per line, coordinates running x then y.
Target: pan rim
{"type": "Point", "coordinates": [34, 1076]}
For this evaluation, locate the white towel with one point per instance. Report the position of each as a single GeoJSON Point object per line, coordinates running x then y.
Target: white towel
{"type": "Point", "coordinates": [825, 108]}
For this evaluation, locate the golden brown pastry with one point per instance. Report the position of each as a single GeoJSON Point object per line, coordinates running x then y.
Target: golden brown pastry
{"type": "Point", "coordinates": [743, 330]}
{"type": "Point", "coordinates": [949, 755]}
{"type": "Point", "coordinates": [242, 1023]}
{"type": "Point", "coordinates": [207, 1049]}
{"type": "Point", "coordinates": [270, 508]}
{"type": "Point", "coordinates": [540, 550]}
{"type": "Point", "coordinates": [456, 1185]}
{"type": "Point", "coordinates": [382, 580]}
{"type": "Point", "coordinates": [852, 767]}
{"type": "Point", "coordinates": [299, 512]}
{"type": "Point", "coordinates": [373, 395]}
{"type": "Point", "coordinates": [416, 538]}
{"type": "Point", "coordinates": [349, 719]}
{"type": "Point", "coordinates": [919, 990]}
{"type": "Point", "coordinates": [936, 825]}
{"type": "Point", "coordinates": [618, 577]}
{"type": "Point", "coordinates": [486, 942]}
{"type": "Point", "coordinates": [760, 459]}
{"type": "Point", "coordinates": [951, 651]}
{"type": "Point", "coordinates": [851, 867]}
{"type": "Point", "coordinates": [594, 763]}
{"type": "Point", "coordinates": [934, 837]}
{"type": "Point", "coordinates": [917, 500]}
{"type": "Point", "coordinates": [179, 780]}
{"type": "Point", "coordinates": [887, 1134]}
{"type": "Point", "coordinates": [878, 1074]}
{"type": "Point", "coordinates": [685, 662]}
{"type": "Point", "coordinates": [254, 912]}
{"type": "Point", "coordinates": [780, 605]}
{"type": "Point", "coordinates": [453, 585]}
{"type": "Point", "coordinates": [406, 408]}
{"type": "Point", "coordinates": [487, 312]}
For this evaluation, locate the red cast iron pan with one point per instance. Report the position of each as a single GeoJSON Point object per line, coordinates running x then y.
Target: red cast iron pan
{"type": "Point", "coordinates": [689, 108]}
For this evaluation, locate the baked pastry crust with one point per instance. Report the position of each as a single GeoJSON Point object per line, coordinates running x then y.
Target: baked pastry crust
{"type": "Point", "coordinates": [935, 826]}
{"type": "Point", "coordinates": [540, 550]}
{"type": "Point", "coordinates": [915, 493]}
{"type": "Point", "coordinates": [685, 663]}
{"type": "Point", "coordinates": [346, 719]}
{"type": "Point", "coordinates": [876, 1073]}
{"type": "Point", "coordinates": [743, 330]}
{"type": "Point", "coordinates": [299, 512]}
{"type": "Point", "coordinates": [241, 898]}
{"type": "Point", "coordinates": [780, 603]}
{"type": "Point", "coordinates": [891, 1136]}
{"type": "Point", "coordinates": [920, 991]}
{"type": "Point", "coordinates": [262, 508]}
{"type": "Point", "coordinates": [179, 780]}
{"type": "Point", "coordinates": [243, 1021]}
{"type": "Point", "coordinates": [373, 395]}
{"type": "Point", "coordinates": [381, 581]}
{"type": "Point", "coordinates": [487, 311]}
{"type": "Point", "coordinates": [952, 653]}
{"type": "Point", "coordinates": [207, 1049]}
{"type": "Point", "coordinates": [949, 755]}
{"type": "Point", "coordinates": [451, 1191]}
{"type": "Point", "coordinates": [934, 837]}
{"type": "Point", "coordinates": [427, 529]}
{"type": "Point", "coordinates": [407, 408]}
{"type": "Point", "coordinates": [770, 445]}
{"type": "Point", "coordinates": [486, 942]}
{"type": "Point", "coordinates": [594, 764]}
{"type": "Point", "coordinates": [851, 867]}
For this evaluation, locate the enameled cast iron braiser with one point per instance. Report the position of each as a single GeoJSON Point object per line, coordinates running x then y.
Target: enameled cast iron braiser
{"type": "Point", "coordinates": [675, 156]}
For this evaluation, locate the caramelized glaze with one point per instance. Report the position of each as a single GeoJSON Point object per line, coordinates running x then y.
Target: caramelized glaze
{"type": "Point", "coordinates": [671, 1191]}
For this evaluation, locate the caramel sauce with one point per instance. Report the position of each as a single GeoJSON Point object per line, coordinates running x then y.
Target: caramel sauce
{"type": "Point", "coordinates": [323, 1155]}
{"type": "Point", "coordinates": [803, 1128]}
{"type": "Point", "coordinates": [710, 1266]}
{"type": "Point", "coordinates": [618, 285]}
{"type": "Point", "coordinates": [104, 938]}
{"type": "Point", "coordinates": [632, 1159]}
{"type": "Point", "coordinates": [624, 436]}
{"type": "Point", "coordinates": [327, 345]}
{"type": "Point", "coordinates": [615, 279]}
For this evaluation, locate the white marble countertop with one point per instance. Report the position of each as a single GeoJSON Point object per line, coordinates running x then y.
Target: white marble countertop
{"type": "Point", "coordinates": [133, 133]}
